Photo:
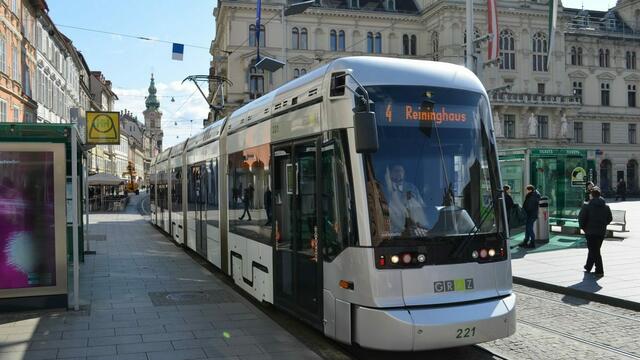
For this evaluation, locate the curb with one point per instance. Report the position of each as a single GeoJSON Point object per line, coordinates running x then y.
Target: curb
{"type": "Point", "coordinates": [608, 300]}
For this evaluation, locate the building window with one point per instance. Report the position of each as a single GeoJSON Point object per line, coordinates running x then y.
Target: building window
{"type": "Point", "coordinates": [507, 50]}
{"type": "Point", "coordinates": [574, 56]}
{"type": "Point", "coordinates": [631, 95]}
{"type": "Point", "coordinates": [603, 57]}
{"type": "Point", "coordinates": [543, 127]}
{"type": "Point", "coordinates": [16, 114]}
{"type": "Point", "coordinates": [414, 45]}
{"type": "Point", "coordinates": [295, 38]}
{"type": "Point", "coordinates": [405, 44]}
{"type": "Point", "coordinates": [632, 134]}
{"type": "Point", "coordinates": [3, 111]}
{"type": "Point", "coordinates": [296, 73]}
{"type": "Point", "coordinates": [577, 89]}
{"type": "Point", "coordinates": [391, 5]}
{"type": "Point", "coordinates": [303, 72]}
{"type": "Point", "coordinates": [509, 126]}
{"type": "Point", "coordinates": [434, 46]}
{"type": "Point", "coordinates": [579, 56]}
{"type": "Point", "coordinates": [341, 40]}
{"type": "Point", "coordinates": [16, 64]}
{"type": "Point", "coordinates": [630, 60]}
{"type": "Point", "coordinates": [3, 55]}
{"type": "Point", "coordinates": [354, 4]}
{"type": "Point", "coordinates": [304, 37]}
{"type": "Point", "coordinates": [606, 133]}
{"type": "Point", "coordinates": [540, 55]}
{"type": "Point", "coordinates": [253, 35]}
{"type": "Point", "coordinates": [333, 40]}
{"type": "Point", "coordinates": [604, 94]}
{"type": "Point", "coordinates": [370, 42]}
{"type": "Point", "coordinates": [541, 88]}
{"type": "Point", "coordinates": [14, 6]}
{"type": "Point", "coordinates": [256, 81]}
{"type": "Point", "coordinates": [577, 132]}
{"type": "Point", "coordinates": [378, 44]}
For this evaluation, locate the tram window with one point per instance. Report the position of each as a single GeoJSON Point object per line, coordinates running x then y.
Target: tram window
{"type": "Point", "coordinates": [176, 190]}
{"type": "Point", "coordinates": [249, 191]}
{"type": "Point", "coordinates": [213, 205]}
{"type": "Point", "coordinates": [337, 197]}
{"type": "Point", "coordinates": [192, 189]}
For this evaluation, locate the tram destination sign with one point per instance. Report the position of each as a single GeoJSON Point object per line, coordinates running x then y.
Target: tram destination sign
{"type": "Point", "coordinates": [103, 128]}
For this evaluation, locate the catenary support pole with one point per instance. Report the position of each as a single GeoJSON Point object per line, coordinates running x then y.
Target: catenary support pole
{"type": "Point", "coordinates": [470, 35]}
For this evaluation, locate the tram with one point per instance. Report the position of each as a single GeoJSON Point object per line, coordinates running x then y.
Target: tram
{"type": "Point", "coordinates": [363, 198]}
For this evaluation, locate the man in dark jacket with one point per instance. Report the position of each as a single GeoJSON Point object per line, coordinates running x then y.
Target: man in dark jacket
{"type": "Point", "coordinates": [531, 209]}
{"type": "Point", "coordinates": [593, 219]}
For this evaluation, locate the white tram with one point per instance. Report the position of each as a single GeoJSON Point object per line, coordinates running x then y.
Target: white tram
{"type": "Point", "coordinates": [380, 225]}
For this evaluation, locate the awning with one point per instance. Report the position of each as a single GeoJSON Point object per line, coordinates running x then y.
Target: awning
{"type": "Point", "coordinates": [104, 179]}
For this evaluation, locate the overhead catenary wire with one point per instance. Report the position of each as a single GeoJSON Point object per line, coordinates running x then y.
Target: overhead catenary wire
{"type": "Point", "coordinates": [138, 37]}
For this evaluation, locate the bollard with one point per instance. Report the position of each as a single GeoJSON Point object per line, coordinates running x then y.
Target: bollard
{"type": "Point", "coordinates": [542, 224]}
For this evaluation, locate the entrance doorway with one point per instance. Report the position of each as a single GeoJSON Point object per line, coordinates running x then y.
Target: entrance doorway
{"type": "Point", "coordinates": [298, 268]}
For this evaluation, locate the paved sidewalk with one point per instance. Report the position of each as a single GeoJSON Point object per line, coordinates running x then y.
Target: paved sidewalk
{"type": "Point", "coordinates": [147, 299]}
{"type": "Point", "coordinates": [562, 270]}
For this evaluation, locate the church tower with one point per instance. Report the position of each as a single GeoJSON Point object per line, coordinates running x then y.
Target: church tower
{"type": "Point", "coordinates": [153, 116]}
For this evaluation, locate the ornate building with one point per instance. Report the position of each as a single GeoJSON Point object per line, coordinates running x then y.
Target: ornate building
{"type": "Point", "coordinates": [586, 98]}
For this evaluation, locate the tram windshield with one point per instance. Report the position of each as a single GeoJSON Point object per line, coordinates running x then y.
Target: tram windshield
{"type": "Point", "coordinates": [432, 176]}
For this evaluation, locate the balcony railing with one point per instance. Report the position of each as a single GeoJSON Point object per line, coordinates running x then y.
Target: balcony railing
{"type": "Point", "coordinates": [607, 25]}
{"type": "Point", "coordinates": [535, 99]}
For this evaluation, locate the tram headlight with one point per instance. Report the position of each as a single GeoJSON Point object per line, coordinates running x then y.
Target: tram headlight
{"type": "Point", "coordinates": [406, 258]}
{"type": "Point", "coordinates": [492, 252]}
{"type": "Point", "coordinates": [395, 259]}
{"type": "Point", "coordinates": [474, 254]}
{"type": "Point", "coordinates": [422, 258]}
{"type": "Point", "coordinates": [483, 253]}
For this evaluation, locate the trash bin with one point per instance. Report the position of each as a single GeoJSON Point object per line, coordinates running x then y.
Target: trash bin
{"type": "Point", "coordinates": [542, 224]}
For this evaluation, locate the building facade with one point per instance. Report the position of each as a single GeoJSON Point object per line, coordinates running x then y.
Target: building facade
{"type": "Point", "coordinates": [108, 158]}
{"type": "Point", "coordinates": [586, 97]}
{"type": "Point", "coordinates": [17, 61]}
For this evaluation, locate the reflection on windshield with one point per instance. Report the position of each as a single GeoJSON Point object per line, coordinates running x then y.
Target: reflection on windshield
{"type": "Point", "coordinates": [430, 177]}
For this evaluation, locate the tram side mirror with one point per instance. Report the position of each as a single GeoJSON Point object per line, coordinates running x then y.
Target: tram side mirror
{"type": "Point", "coordinates": [366, 131]}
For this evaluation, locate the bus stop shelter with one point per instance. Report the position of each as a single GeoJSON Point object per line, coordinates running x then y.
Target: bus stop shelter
{"type": "Point", "coordinates": [559, 174]}
{"type": "Point", "coordinates": [41, 227]}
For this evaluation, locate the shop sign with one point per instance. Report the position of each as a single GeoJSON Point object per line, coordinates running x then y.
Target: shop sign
{"type": "Point", "coordinates": [103, 128]}
{"type": "Point", "coordinates": [578, 177]}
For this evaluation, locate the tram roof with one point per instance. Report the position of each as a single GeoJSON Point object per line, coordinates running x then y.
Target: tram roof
{"type": "Point", "coordinates": [177, 149]}
{"type": "Point", "coordinates": [207, 135]}
{"type": "Point", "coordinates": [368, 70]}
{"type": "Point", "coordinates": [164, 155]}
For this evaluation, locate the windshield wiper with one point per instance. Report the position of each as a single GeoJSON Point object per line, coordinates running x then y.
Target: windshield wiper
{"type": "Point", "coordinates": [474, 231]}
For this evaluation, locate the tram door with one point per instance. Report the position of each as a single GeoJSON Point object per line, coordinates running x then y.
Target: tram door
{"type": "Point", "coordinates": [298, 268]}
{"type": "Point", "coordinates": [202, 179]}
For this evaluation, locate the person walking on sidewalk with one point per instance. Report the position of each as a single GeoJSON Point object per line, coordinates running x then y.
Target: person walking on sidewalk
{"type": "Point", "coordinates": [530, 206]}
{"type": "Point", "coordinates": [621, 190]}
{"type": "Point", "coordinates": [587, 192]}
{"type": "Point", "coordinates": [508, 203]}
{"type": "Point", "coordinates": [593, 219]}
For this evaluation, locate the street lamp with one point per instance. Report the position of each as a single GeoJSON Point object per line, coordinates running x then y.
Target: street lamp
{"type": "Point", "coordinates": [267, 63]}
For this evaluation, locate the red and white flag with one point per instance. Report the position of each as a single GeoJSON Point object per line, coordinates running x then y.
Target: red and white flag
{"type": "Point", "coordinates": [493, 30]}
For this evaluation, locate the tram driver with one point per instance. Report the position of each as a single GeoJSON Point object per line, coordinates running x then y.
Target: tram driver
{"type": "Point", "coordinates": [406, 206]}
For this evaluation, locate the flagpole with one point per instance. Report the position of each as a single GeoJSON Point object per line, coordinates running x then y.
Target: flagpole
{"type": "Point", "coordinates": [470, 35]}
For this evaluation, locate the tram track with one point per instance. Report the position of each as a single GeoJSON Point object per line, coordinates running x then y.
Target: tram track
{"type": "Point", "coordinates": [581, 340]}
{"type": "Point", "coordinates": [584, 307]}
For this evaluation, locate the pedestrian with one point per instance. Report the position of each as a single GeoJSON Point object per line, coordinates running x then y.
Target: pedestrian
{"type": "Point", "coordinates": [508, 202]}
{"type": "Point", "coordinates": [593, 219]}
{"type": "Point", "coordinates": [246, 201]}
{"type": "Point", "coordinates": [621, 190]}
{"type": "Point", "coordinates": [531, 209]}
{"type": "Point", "coordinates": [587, 192]}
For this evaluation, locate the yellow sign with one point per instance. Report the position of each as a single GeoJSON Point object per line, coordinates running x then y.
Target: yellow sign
{"type": "Point", "coordinates": [103, 127]}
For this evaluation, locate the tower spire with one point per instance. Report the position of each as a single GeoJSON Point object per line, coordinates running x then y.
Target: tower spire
{"type": "Point", "coordinates": [152, 102]}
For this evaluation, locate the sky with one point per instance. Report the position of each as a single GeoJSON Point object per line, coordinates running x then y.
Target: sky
{"type": "Point", "coordinates": [128, 62]}
{"type": "Point", "coordinates": [589, 4]}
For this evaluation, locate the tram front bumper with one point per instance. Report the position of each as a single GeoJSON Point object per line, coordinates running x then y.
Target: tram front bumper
{"type": "Point", "coordinates": [414, 329]}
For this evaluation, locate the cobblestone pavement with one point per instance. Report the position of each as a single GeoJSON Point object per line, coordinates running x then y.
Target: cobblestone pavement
{"type": "Point", "coordinates": [554, 326]}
